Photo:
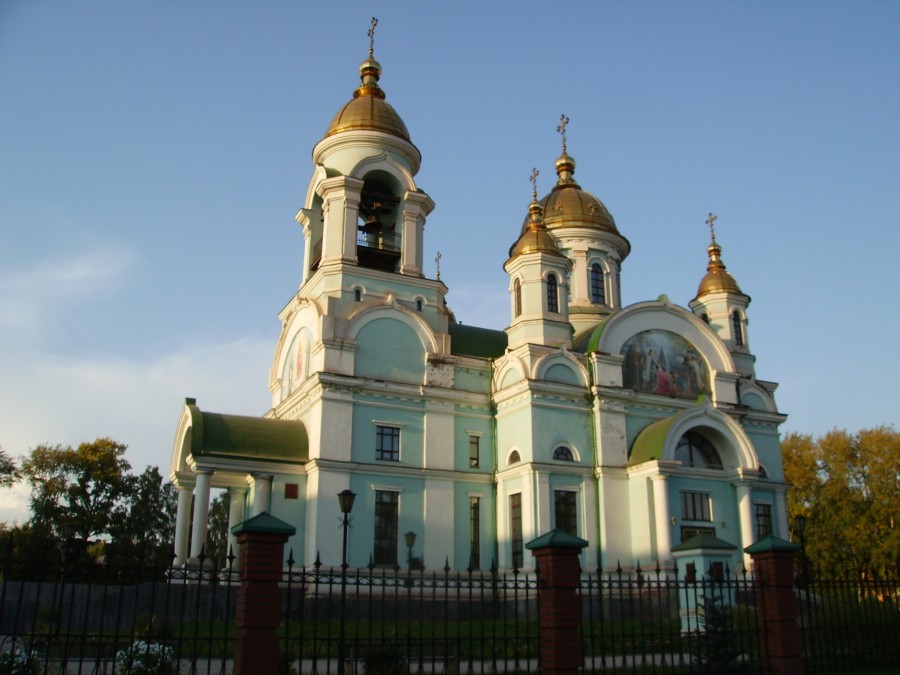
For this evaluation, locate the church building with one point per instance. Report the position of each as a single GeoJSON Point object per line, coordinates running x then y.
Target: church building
{"type": "Point", "coordinates": [638, 429]}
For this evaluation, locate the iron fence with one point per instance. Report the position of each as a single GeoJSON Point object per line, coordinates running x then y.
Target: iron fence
{"type": "Point", "coordinates": [139, 616]}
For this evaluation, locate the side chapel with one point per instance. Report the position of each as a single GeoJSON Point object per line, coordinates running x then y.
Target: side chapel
{"type": "Point", "coordinates": [636, 428]}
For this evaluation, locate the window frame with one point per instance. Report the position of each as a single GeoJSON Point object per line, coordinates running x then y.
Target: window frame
{"type": "Point", "coordinates": [597, 283]}
{"type": "Point", "coordinates": [474, 451]}
{"type": "Point", "coordinates": [516, 543]}
{"type": "Point", "coordinates": [762, 518]}
{"type": "Point", "coordinates": [565, 511]}
{"type": "Point", "coordinates": [552, 293]}
{"type": "Point", "coordinates": [391, 451]}
{"type": "Point", "coordinates": [695, 503]}
{"type": "Point", "coordinates": [386, 528]}
{"type": "Point", "coordinates": [474, 532]}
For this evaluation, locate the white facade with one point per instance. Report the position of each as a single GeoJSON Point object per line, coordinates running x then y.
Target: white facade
{"type": "Point", "coordinates": [634, 428]}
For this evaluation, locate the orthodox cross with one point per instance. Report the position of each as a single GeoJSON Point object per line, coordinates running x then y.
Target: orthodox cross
{"type": "Point", "coordinates": [437, 261]}
{"type": "Point", "coordinates": [534, 174]}
{"type": "Point", "coordinates": [371, 35]}
{"type": "Point", "coordinates": [561, 130]}
{"type": "Point", "coordinates": [712, 230]}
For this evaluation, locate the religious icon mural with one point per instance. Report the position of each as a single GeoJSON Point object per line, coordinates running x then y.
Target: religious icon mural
{"type": "Point", "coordinates": [292, 374]}
{"type": "Point", "coordinates": [660, 362]}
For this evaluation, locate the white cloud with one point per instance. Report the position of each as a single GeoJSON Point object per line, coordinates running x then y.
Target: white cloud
{"type": "Point", "coordinates": [30, 297]}
{"type": "Point", "coordinates": [49, 399]}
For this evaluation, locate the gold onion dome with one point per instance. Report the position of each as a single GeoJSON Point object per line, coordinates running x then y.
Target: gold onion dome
{"type": "Point", "coordinates": [717, 279]}
{"type": "Point", "coordinates": [534, 237]}
{"type": "Point", "coordinates": [568, 205]}
{"type": "Point", "coordinates": [368, 110]}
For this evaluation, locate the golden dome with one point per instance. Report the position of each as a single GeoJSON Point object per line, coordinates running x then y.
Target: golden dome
{"type": "Point", "coordinates": [568, 205]}
{"type": "Point", "coordinates": [717, 279]}
{"type": "Point", "coordinates": [534, 237]}
{"type": "Point", "coordinates": [368, 109]}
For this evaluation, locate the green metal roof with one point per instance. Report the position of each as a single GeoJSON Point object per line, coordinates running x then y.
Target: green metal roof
{"type": "Point", "coordinates": [771, 543]}
{"type": "Point", "coordinates": [587, 341]}
{"type": "Point", "coordinates": [265, 523]}
{"type": "Point", "coordinates": [252, 438]}
{"type": "Point", "coordinates": [704, 541]}
{"type": "Point", "coordinates": [473, 341]}
{"type": "Point", "coordinates": [649, 443]}
{"type": "Point", "coordinates": [556, 539]}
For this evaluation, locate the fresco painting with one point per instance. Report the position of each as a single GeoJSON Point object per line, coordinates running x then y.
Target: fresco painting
{"type": "Point", "coordinates": [660, 362]}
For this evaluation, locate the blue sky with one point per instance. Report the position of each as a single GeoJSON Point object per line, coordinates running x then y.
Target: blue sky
{"type": "Point", "coordinates": [153, 155]}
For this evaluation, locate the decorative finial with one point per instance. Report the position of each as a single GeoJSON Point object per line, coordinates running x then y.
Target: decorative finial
{"type": "Point", "coordinates": [534, 174]}
{"type": "Point", "coordinates": [372, 37]}
{"type": "Point", "coordinates": [437, 261]}
{"type": "Point", "coordinates": [561, 130]}
{"type": "Point", "coordinates": [712, 230]}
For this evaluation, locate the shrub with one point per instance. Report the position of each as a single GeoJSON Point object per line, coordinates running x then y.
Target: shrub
{"type": "Point", "coordinates": [145, 658]}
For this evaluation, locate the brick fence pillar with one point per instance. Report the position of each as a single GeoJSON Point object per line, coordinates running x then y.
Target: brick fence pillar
{"type": "Point", "coordinates": [261, 541]}
{"type": "Point", "coordinates": [559, 576]}
{"type": "Point", "coordinates": [777, 605]}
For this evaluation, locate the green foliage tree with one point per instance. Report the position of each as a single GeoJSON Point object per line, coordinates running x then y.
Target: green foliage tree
{"type": "Point", "coordinates": [145, 528]}
{"type": "Point", "coordinates": [217, 536]}
{"type": "Point", "coordinates": [847, 485]}
{"type": "Point", "coordinates": [81, 488]}
{"type": "Point", "coordinates": [9, 472]}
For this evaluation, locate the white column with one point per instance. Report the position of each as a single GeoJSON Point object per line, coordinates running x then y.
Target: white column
{"type": "Point", "coordinates": [745, 510]}
{"type": "Point", "coordinates": [201, 512]}
{"type": "Point", "coordinates": [661, 519]}
{"type": "Point", "coordinates": [782, 528]}
{"type": "Point", "coordinates": [235, 517]}
{"type": "Point", "coordinates": [262, 492]}
{"type": "Point", "coordinates": [183, 523]}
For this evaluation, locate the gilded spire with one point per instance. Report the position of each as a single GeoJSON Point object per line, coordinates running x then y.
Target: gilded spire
{"type": "Point", "coordinates": [565, 165]}
{"type": "Point", "coordinates": [534, 237]}
{"type": "Point", "coordinates": [370, 69]}
{"type": "Point", "coordinates": [717, 279]}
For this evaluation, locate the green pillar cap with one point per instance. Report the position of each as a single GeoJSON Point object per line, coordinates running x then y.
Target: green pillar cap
{"type": "Point", "coordinates": [556, 539]}
{"type": "Point", "coordinates": [771, 543]}
{"type": "Point", "coordinates": [264, 523]}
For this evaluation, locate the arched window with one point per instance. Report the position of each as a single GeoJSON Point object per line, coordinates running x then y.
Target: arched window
{"type": "Point", "coordinates": [517, 297]}
{"type": "Point", "coordinates": [514, 457]}
{"type": "Point", "coordinates": [598, 292]}
{"type": "Point", "coordinates": [704, 317]}
{"type": "Point", "coordinates": [552, 294]}
{"type": "Point", "coordinates": [418, 304]}
{"type": "Point", "coordinates": [563, 454]}
{"type": "Point", "coordinates": [696, 451]}
{"type": "Point", "coordinates": [357, 295]}
{"type": "Point", "coordinates": [736, 327]}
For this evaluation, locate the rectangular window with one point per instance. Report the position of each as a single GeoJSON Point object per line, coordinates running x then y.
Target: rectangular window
{"type": "Point", "coordinates": [387, 516]}
{"type": "Point", "coordinates": [695, 506]}
{"type": "Point", "coordinates": [291, 491]}
{"type": "Point", "coordinates": [564, 504]}
{"type": "Point", "coordinates": [688, 532]}
{"type": "Point", "coordinates": [474, 533]}
{"type": "Point", "coordinates": [473, 452]}
{"type": "Point", "coordinates": [515, 529]}
{"type": "Point", "coordinates": [763, 520]}
{"type": "Point", "coordinates": [387, 444]}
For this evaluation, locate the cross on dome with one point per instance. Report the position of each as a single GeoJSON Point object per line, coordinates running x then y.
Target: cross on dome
{"type": "Point", "coordinates": [534, 174]}
{"type": "Point", "coordinates": [371, 35]}
{"type": "Point", "coordinates": [561, 129]}
{"type": "Point", "coordinates": [711, 220]}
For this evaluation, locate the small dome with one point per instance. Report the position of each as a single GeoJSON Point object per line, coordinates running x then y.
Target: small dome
{"type": "Point", "coordinates": [368, 109]}
{"type": "Point", "coordinates": [534, 237]}
{"type": "Point", "coordinates": [717, 279]}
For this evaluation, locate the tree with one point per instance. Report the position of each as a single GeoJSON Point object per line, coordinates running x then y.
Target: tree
{"type": "Point", "coordinates": [81, 489]}
{"type": "Point", "coordinates": [217, 536]}
{"type": "Point", "coordinates": [9, 472]}
{"type": "Point", "coordinates": [848, 488]}
{"type": "Point", "coordinates": [144, 528]}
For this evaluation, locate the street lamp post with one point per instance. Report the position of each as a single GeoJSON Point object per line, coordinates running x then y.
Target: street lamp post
{"type": "Point", "coordinates": [345, 498]}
